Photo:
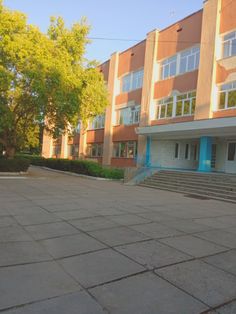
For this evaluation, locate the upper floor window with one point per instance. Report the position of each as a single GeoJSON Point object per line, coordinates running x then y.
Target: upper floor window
{"type": "Point", "coordinates": [132, 81]}
{"type": "Point", "coordinates": [227, 96]}
{"type": "Point", "coordinates": [95, 150]}
{"type": "Point", "coordinates": [229, 45]}
{"type": "Point", "coordinates": [165, 108]}
{"type": "Point", "coordinates": [185, 104]}
{"type": "Point", "coordinates": [181, 63]}
{"type": "Point", "coordinates": [125, 149]}
{"type": "Point", "coordinates": [128, 115]}
{"type": "Point", "coordinates": [97, 122]}
{"type": "Point", "coordinates": [176, 106]}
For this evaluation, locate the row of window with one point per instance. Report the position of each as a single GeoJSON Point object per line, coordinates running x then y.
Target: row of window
{"type": "Point", "coordinates": [190, 151]}
{"type": "Point", "coordinates": [97, 123]}
{"type": "Point", "coordinates": [180, 63]}
{"type": "Point", "coordinates": [227, 96]}
{"type": "Point", "coordinates": [132, 81]}
{"type": "Point", "coordinates": [176, 106]}
{"type": "Point", "coordinates": [229, 45]}
{"type": "Point", "coordinates": [120, 150]}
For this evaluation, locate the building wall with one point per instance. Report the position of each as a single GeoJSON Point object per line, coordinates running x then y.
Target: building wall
{"type": "Point", "coordinates": [204, 28]}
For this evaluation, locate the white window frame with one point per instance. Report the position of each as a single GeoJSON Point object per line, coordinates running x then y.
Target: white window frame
{"type": "Point", "coordinates": [127, 143]}
{"type": "Point", "coordinates": [189, 151]}
{"type": "Point", "coordinates": [164, 102]}
{"type": "Point", "coordinates": [134, 81]}
{"type": "Point", "coordinates": [166, 63]}
{"type": "Point", "coordinates": [231, 44]}
{"type": "Point", "coordinates": [131, 113]}
{"type": "Point", "coordinates": [178, 157]}
{"type": "Point", "coordinates": [95, 146]}
{"type": "Point", "coordinates": [226, 91]}
{"type": "Point", "coordinates": [97, 122]}
{"type": "Point", "coordinates": [189, 98]}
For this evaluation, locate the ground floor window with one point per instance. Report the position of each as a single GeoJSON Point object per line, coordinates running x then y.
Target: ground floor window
{"type": "Point", "coordinates": [231, 151]}
{"type": "Point", "coordinates": [187, 152]}
{"type": "Point", "coordinates": [195, 152]}
{"type": "Point", "coordinates": [56, 150]}
{"type": "Point", "coordinates": [95, 150]}
{"type": "Point", "coordinates": [177, 150]}
{"type": "Point", "coordinates": [125, 149]}
{"type": "Point", "coordinates": [73, 150]}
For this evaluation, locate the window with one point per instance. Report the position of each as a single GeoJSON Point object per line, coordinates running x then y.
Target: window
{"type": "Point", "coordinates": [165, 108]}
{"type": "Point", "coordinates": [95, 150]}
{"type": "Point", "coordinates": [73, 150]}
{"type": "Point", "coordinates": [185, 104]}
{"type": "Point", "coordinates": [231, 151]}
{"type": "Point", "coordinates": [195, 152]}
{"type": "Point", "coordinates": [56, 150]}
{"type": "Point", "coordinates": [125, 149]}
{"type": "Point", "coordinates": [97, 122]}
{"type": "Point", "coordinates": [169, 67]}
{"type": "Point", "coordinates": [128, 115]}
{"type": "Point", "coordinates": [189, 60]}
{"type": "Point", "coordinates": [132, 81]}
{"type": "Point", "coordinates": [181, 63]}
{"type": "Point", "coordinates": [187, 152]}
{"type": "Point", "coordinates": [177, 150]}
{"type": "Point", "coordinates": [227, 96]}
{"type": "Point", "coordinates": [229, 45]}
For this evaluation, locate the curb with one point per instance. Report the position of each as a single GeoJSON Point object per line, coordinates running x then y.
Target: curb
{"type": "Point", "coordinates": [79, 175]}
{"type": "Point", "coordinates": [14, 173]}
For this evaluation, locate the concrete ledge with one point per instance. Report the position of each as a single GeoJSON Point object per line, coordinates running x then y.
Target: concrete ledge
{"type": "Point", "coordinates": [13, 173]}
{"type": "Point", "coordinates": [79, 175]}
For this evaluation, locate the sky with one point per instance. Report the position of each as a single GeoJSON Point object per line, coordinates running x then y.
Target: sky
{"type": "Point", "coordinates": [123, 19]}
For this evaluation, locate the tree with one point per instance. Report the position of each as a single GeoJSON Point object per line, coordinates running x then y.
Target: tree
{"type": "Point", "coordinates": [45, 81]}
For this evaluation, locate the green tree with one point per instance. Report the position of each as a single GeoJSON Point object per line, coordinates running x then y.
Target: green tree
{"type": "Point", "coordinates": [45, 81]}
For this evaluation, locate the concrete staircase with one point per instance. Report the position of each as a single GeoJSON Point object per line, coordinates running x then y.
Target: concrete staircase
{"type": "Point", "coordinates": [211, 185]}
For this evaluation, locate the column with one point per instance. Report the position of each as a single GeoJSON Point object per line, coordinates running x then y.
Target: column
{"type": "Point", "coordinates": [47, 145]}
{"type": "Point", "coordinates": [205, 154]}
{"type": "Point", "coordinates": [148, 151]}
{"type": "Point", "coordinates": [110, 111]}
{"type": "Point", "coordinates": [64, 142]}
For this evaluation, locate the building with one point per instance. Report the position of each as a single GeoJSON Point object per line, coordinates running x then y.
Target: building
{"type": "Point", "coordinates": [172, 99]}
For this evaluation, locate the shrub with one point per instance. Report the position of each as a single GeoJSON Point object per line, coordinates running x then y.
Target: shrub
{"type": "Point", "coordinates": [85, 167]}
{"type": "Point", "coordinates": [14, 165]}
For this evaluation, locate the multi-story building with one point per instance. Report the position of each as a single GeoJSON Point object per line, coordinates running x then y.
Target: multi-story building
{"type": "Point", "coordinates": [172, 99]}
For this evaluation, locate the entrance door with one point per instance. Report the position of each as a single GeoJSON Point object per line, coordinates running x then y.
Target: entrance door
{"type": "Point", "coordinates": [231, 158]}
{"type": "Point", "coordinates": [213, 156]}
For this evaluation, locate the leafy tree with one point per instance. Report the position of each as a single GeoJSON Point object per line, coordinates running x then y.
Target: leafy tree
{"type": "Point", "coordinates": [45, 80]}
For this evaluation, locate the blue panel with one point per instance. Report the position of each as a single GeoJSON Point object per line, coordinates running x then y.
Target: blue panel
{"type": "Point", "coordinates": [148, 152]}
{"type": "Point", "coordinates": [205, 154]}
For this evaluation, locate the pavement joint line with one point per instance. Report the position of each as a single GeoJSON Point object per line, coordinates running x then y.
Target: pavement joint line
{"type": "Point", "coordinates": [222, 245]}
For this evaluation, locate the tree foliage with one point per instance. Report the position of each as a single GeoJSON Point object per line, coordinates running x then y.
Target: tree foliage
{"type": "Point", "coordinates": [44, 79]}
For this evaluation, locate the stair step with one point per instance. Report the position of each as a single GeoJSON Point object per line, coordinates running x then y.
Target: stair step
{"type": "Point", "coordinates": [193, 189]}
{"type": "Point", "coordinates": [197, 175]}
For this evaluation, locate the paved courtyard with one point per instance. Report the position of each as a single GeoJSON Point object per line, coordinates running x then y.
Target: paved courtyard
{"type": "Point", "coordinates": [70, 245]}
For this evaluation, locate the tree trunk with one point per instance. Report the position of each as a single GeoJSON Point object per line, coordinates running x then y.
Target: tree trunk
{"type": "Point", "coordinates": [10, 152]}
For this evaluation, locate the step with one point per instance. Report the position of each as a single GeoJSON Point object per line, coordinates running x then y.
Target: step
{"type": "Point", "coordinates": [215, 176]}
{"type": "Point", "coordinates": [190, 191]}
{"type": "Point", "coordinates": [213, 185]}
{"type": "Point", "coordinates": [204, 191]}
{"type": "Point", "coordinates": [197, 194]}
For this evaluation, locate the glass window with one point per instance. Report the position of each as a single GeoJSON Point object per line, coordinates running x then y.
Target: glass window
{"type": "Point", "coordinates": [229, 45]}
{"type": "Point", "coordinates": [125, 149]}
{"type": "Point", "coordinates": [128, 115]}
{"type": "Point", "coordinates": [169, 67]}
{"type": "Point", "coordinates": [97, 122]}
{"type": "Point", "coordinates": [187, 151]}
{"type": "Point", "coordinates": [165, 109]}
{"type": "Point", "coordinates": [95, 150]}
{"type": "Point", "coordinates": [227, 96]}
{"type": "Point", "coordinates": [132, 81]}
{"type": "Point", "coordinates": [231, 151]}
{"type": "Point", "coordinates": [185, 104]}
{"type": "Point", "coordinates": [177, 150]}
{"type": "Point", "coordinates": [195, 152]}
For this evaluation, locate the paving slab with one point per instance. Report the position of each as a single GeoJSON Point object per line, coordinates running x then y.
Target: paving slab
{"type": "Point", "coordinates": [51, 230]}
{"type": "Point", "coordinates": [76, 214]}
{"type": "Point", "coordinates": [99, 267]}
{"type": "Point", "coordinates": [75, 303]}
{"type": "Point", "coordinates": [146, 294]}
{"type": "Point", "coordinates": [220, 237]}
{"type": "Point", "coordinates": [94, 223]}
{"type": "Point", "coordinates": [205, 282]}
{"type": "Point", "coordinates": [13, 253]}
{"type": "Point", "coordinates": [71, 245]}
{"type": "Point", "coordinates": [14, 234]}
{"type": "Point", "coordinates": [227, 309]}
{"type": "Point", "coordinates": [155, 230]}
{"type": "Point", "coordinates": [152, 254]}
{"type": "Point", "coordinates": [128, 220]}
{"type": "Point", "coordinates": [187, 226]}
{"type": "Point", "coordinates": [33, 282]}
{"type": "Point", "coordinates": [193, 246]}
{"type": "Point", "coordinates": [6, 221]}
{"type": "Point", "coordinates": [225, 261]}
{"type": "Point", "coordinates": [36, 219]}
{"type": "Point", "coordinates": [118, 235]}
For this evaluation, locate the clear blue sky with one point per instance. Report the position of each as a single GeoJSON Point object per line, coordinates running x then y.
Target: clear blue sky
{"type": "Point", "coordinates": [130, 19]}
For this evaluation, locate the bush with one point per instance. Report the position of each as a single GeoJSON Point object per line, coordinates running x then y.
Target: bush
{"type": "Point", "coordinates": [14, 165]}
{"type": "Point", "coordinates": [85, 167]}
